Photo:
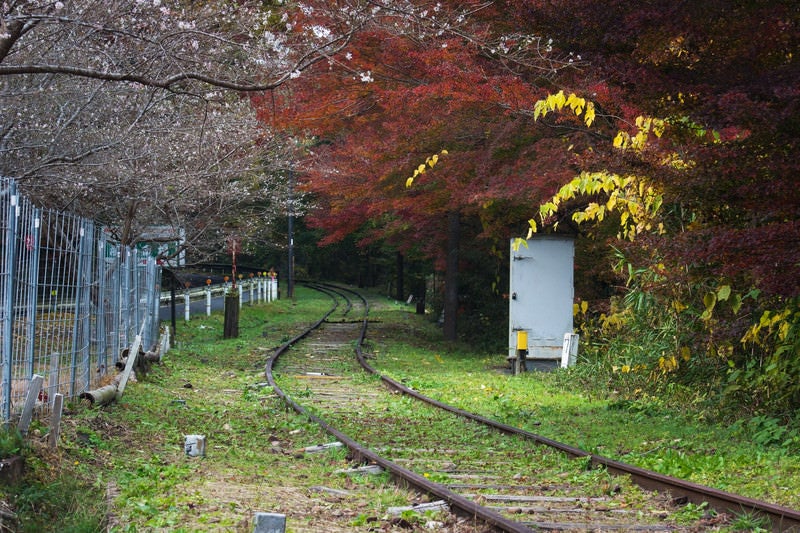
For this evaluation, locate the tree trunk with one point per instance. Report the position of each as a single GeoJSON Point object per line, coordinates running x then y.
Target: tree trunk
{"type": "Point", "coordinates": [231, 324]}
{"type": "Point", "coordinates": [451, 276]}
{"type": "Point", "coordinates": [400, 294]}
{"type": "Point", "coordinates": [420, 293]}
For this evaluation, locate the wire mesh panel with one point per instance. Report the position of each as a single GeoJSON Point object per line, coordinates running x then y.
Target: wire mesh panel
{"type": "Point", "coordinates": [71, 299]}
{"type": "Point", "coordinates": [64, 353]}
{"type": "Point", "coordinates": [8, 229]}
{"type": "Point", "coordinates": [109, 342]}
{"type": "Point", "coordinates": [25, 299]}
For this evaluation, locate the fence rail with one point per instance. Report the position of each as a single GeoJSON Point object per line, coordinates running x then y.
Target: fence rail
{"type": "Point", "coordinates": [71, 299]}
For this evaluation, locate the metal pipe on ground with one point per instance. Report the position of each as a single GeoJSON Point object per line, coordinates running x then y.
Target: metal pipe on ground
{"type": "Point", "coordinates": [102, 396]}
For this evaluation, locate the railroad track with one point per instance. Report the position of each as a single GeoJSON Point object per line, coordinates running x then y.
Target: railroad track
{"type": "Point", "coordinates": [504, 477]}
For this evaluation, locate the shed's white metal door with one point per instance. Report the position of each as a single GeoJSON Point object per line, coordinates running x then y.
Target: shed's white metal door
{"type": "Point", "coordinates": [541, 296]}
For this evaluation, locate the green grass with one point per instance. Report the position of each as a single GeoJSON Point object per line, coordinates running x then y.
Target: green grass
{"type": "Point", "coordinates": [126, 460]}
{"type": "Point", "coordinates": [125, 464]}
{"type": "Point", "coordinates": [670, 433]}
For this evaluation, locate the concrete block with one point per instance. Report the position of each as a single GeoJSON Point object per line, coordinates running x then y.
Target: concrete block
{"type": "Point", "coordinates": [270, 523]}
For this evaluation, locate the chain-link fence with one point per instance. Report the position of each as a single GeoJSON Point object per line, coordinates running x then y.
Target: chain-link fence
{"type": "Point", "coordinates": [71, 299]}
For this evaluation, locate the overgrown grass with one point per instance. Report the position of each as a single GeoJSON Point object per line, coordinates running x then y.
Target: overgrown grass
{"type": "Point", "coordinates": [124, 464]}
{"type": "Point", "coordinates": [670, 432]}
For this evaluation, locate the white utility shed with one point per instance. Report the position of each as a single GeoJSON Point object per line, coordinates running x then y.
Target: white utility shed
{"type": "Point", "coordinates": [541, 297]}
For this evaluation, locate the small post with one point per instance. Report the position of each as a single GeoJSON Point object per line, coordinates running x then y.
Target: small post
{"type": "Point", "coordinates": [208, 297]}
{"type": "Point", "coordinates": [132, 354]}
{"type": "Point", "coordinates": [165, 341]}
{"type": "Point", "coordinates": [270, 523]}
{"type": "Point", "coordinates": [569, 352]}
{"type": "Point", "coordinates": [186, 303]}
{"type": "Point", "coordinates": [53, 378]}
{"type": "Point", "coordinates": [231, 319]}
{"type": "Point", "coordinates": [34, 389]}
{"type": "Point", "coordinates": [233, 295]}
{"type": "Point", "coordinates": [273, 285]}
{"type": "Point", "coordinates": [251, 288]}
{"type": "Point", "coordinates": [55, 419]}
{"type": "Point", "coordinates": [522, 352]}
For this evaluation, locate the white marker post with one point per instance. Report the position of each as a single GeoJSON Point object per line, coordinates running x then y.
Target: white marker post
{"type": "Point", "coordinates": [569, 352]}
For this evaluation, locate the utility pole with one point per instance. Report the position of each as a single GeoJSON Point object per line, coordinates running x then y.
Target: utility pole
{"type": "Point", "coordinates": [290, 279]}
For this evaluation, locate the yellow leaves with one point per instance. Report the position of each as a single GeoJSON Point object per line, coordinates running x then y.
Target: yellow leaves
{"type": "Point", "coordinates": [621, 140]}
{"type": "Point", "coordinates": [636, 202]}
{"type": "Point", "coordinates": [631, 197]}
{"type": "Point", "coordinates": [588, 116]}
{"type": "Point", "coordinates": [558, 101]}
{"type": "Point", "coordinates": [576, 104]}
{"type": "Point", "coordinates": [531, 228]}
{"type": "Point", "coordinates": [595, 211]}
{"type": "Point", "coordinates": [783, 330]}
{"type": "Point", "coordinates": [775, 323]}
{"type": "Point", "coordinates": [722, 294]}
{"type": "Point", "coordinates": [644, 127]}
{"type": "Point", "coordinates": [710, 300]}
{"type": "Point", "coordinates": [580, 309]}
{"type": "Point", "coordinates": [675, 161]}
{"type": "Point", "coordinates": [668, 364]}
{"type": "Point", "coordinates": [518, 241]}
{"type": "Point", "coordinates": [628, 369]}
{"type": "Point", "coordinates": [430, 162]}
{"type": "Point", "coordinates": [614, 321]}
{"type": "Point", "coordinates": [686, 353]}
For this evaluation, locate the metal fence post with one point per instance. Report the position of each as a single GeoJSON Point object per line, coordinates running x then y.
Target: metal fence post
{"type": "Point", "coordinates": [115, 289]}
{"type": "Point", "coordinates": [100, 306]}
{"type": "Point", "coordinates": [32, 305]}
{"type": "Point", "coordinates": [85, 282]}
{"type": "Point", "coordinates": [76, 317]}
{"type": "Point", "coordinates": [9, 263]}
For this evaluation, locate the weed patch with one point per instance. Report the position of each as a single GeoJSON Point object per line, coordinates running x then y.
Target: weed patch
{"type": "Point", "coordinates": [122, 467]}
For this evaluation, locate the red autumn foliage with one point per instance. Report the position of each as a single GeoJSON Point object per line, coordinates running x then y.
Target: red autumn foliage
{"type": "Point", "coordinates": [395, 100]}
{"type": "Point", "coordinates": [726, 75]}
{"type": "Point", "coordinates": [723, 72]}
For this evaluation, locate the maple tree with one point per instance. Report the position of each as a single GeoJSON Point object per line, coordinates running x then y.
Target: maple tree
{"type": "Point", "coordinates": [681, 130]}
{"type": "Point", "coordinates": [425, 83]}
{"type": "Point", "coordinates": [720, 82]}
{"type": "Point", "coordinates": [727, 88]}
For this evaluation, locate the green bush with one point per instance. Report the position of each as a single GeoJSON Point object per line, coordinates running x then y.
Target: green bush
{"type": "Point", "coordinates": [11, 443]}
